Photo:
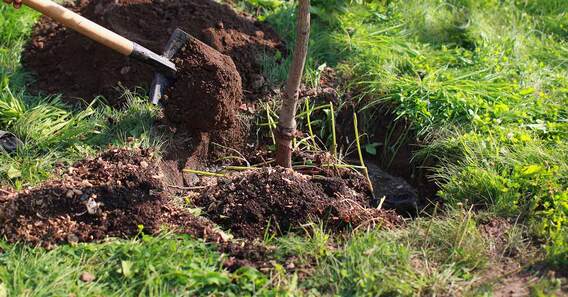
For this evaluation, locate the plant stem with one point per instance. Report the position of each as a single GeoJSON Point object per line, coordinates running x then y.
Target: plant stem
{"type": "Point", "coordinates": [309, 111]}
{"type": "Point", "coordinates": [287, 122]}
{"type": "Point", "coordinates": [334, 138]}
{"type": "Point", "coordinates": [360, 152]}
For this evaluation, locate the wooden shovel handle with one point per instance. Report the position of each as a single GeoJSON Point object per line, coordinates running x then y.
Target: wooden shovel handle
{"type": "Point", "coordinates": [82, 25]}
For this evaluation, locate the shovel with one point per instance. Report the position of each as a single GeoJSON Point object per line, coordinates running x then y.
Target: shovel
{"type": "Point", "coordinates": [165, 69]}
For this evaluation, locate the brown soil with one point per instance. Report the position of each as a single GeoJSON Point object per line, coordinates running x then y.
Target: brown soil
{"type": "Point", "coordinates": [120, 191]}
{"type": "Point", "coordinates": [513, 270]}
{"type": "Point", "coordinates": [284, 200]}
{"type": "Point", "coordinates": [111, 195]}
{"type": "Point", "coordinates": [207, 93]}
{"type": "Point", "coordinates": [65, 62]}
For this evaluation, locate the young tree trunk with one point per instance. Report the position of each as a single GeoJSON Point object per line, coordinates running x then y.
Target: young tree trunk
{"type": "Point", "coordinates": [287, 123]}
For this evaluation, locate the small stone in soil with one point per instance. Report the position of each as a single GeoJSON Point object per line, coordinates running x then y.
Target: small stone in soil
{"type": "Point", "coordinates": [87, 277]}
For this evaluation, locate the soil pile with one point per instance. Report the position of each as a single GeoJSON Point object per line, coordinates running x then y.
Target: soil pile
{"type": "Point", "coordinates": [66, 62]}
{"type": "Point", "coordinates": [207, 93]}
{"type": "Point", "coordinates": [111, 195]}
{"type": "Point", "coordinates": [283, 200]}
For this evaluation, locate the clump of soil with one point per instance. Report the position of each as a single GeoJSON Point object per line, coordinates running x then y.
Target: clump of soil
{"type": "Point", "coordinates": [207, 93]}
{"type": "Point", "coordinates": [66, 62]}
{"type": "Point", "coordinates": [283, 200]}
{"type": "Point", "coordinates": [111, 195]}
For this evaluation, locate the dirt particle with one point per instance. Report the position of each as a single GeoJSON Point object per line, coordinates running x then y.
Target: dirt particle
{"type": "Point", "coordinates": [71, 238]}
{"type": "Point", "coordinates": [87, 277]}
{"type": "Point", "coordinates": [70, 194]}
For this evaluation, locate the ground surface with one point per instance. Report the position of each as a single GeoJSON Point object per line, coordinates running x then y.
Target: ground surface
{"type": "Point", "coordinates": [284, 200]}
{"type": "Point", "coordinates": [445, 92]}
{"type": "Point", "coordinates": [114, 194]}
{"type": "Point", "coordinates": [149, 23]}
{"type": "Point", "coordinates": [121, 193]}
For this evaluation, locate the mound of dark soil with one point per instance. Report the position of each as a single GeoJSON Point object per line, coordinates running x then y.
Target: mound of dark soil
{"type": "Point", "coordinates": [66, 62]}
{"type": "Point", "coordinates": [111, 195]}
{"type": "Point", "coordinates": [207, 94]}
{"type": "Point", "coordinates": [283, 200]}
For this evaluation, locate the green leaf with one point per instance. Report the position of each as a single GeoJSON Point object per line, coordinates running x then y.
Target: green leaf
{"type": "Point", "coordinates": [272, 4]}
{"type": "Point", "coordinates": [126, 268]}
{"type": "Point", "coordinates": [371, 148]}
{"type": "Point", "coordinates": [531, 169]}
{"type": "Point", "coordinates": [13, 172]}
{"type": "Point", "coordinates": [212, 278]}
{"type": "Point", "coordinates": [527, 91]}
{"type": "Point", "coordinates": [3, 290]}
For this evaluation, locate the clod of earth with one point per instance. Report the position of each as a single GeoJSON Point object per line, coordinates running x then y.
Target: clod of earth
{"type": "Point", "coordinates": [207, 93]}
{"type": "Point", "coordinates": [58, 56]}
{"type": "Point", "coordinates": [284, 200]}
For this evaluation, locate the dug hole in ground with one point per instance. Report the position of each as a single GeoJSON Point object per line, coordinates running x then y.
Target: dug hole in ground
{"type": "Point", "coordinates": [121, 192]}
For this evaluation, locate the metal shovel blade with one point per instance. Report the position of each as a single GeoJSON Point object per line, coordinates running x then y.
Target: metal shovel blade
{"type": "Point", "coordinates": [160, 83]}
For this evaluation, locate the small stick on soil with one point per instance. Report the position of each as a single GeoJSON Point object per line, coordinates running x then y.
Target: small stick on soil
{"type": "Point", "coordinates": [187, 188]}
{"type": "Point", "coordinates": [368, 223]}
{"type": "Point", "coordinates": [353, 203]}
{"type": "Point", "coordinates": [206, 173]}
{"type": "Point", "coordinates": [380, 206]}
{"type": "Point", "coordinates": [240, 168]}
{"type": "Point", "coordinates": [344, 166]}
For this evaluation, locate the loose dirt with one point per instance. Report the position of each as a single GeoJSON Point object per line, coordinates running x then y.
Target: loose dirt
{"type": "Point", "coordinates": [207, 93]}
{"type": "Point", "coordinates": [282, 200]}
{"type": "Point", "coordinates": [122, 192]}
{"type": "Point", "coordinates": [113, 195]}
{"type": "Point", "coordinates": [66, 62]}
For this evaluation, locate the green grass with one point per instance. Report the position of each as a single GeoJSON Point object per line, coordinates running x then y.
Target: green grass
{"type": "Point", "coordinates": [151, 266]}
{"type": "Point", "coordinates": [484, 82]}
{"type": "Point", "coordinates": [52, 131]}
{"type": "Point", "coordinates": [444, 256]}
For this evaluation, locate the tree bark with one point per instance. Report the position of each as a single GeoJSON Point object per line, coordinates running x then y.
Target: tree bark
{"type": "Point", "coordinates": [287, 122]}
